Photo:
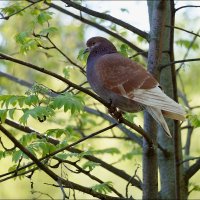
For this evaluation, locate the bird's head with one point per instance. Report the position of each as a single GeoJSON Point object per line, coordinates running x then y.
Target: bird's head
{"type": "Point", "coordinates": [99, 44]}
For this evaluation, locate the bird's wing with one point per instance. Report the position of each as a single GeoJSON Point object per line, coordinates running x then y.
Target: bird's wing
{"type": "Point", "coordinates": [122, 75]}
{"type": "Point", "coordinates": [131, 80]}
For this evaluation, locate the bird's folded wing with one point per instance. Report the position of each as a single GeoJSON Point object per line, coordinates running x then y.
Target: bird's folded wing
{"type": "Point", "coordinates": [156, 98]}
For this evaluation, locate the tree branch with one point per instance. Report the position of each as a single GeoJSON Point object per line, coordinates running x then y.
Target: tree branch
{"type": "Point", "coordinates": [98, 26]}
{"type": "Point", "coordinates": [192, 170]}
{"type": "Point", "coordinates": [16, 80]}
{"type": "Point", "coordinates": [54, 176]}
{"type": "Point", "coordinates": [188, 6]}
{"type": "Point", "coordinates": [175, 27]}
{"type": "Point", "coordinates": [103, 164]}
{"type": "Point", "coordinates": [87, 173]}
{"type": "Point", "coordinates": [19, 11]}
{"type": "Point", "coordinates": [107, 17]}
{"type": "Point", "coordinates": [105, 103]}
{"type": "Point", "coordinates": [178, 61]}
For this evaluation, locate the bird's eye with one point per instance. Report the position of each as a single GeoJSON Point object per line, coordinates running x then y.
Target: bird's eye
{"type": "Point", "coordinates": [93, 43]}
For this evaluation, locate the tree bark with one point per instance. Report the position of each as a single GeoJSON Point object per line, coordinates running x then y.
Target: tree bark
{"type": "Point", "coordinates": [150, 166]}
{"type": "Point", "coordinates": [171, 173]}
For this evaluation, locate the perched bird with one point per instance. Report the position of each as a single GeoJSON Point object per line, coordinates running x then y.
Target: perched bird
{"type": "Point", "coordinates": [127, 84]}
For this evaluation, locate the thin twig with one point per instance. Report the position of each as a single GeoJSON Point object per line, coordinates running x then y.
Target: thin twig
{"type": "Point", "coordinates": [188, 6]}
{"type": "Point", "coordinates": [178, 61]}
{"type": "Point", "coordinates": [19, 11]}
{"type": "Point", "coordinates": [175, 27]}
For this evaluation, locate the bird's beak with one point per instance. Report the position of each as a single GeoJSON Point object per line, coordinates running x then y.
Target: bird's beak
{"type": "Point", "coordinates": [86, 50]}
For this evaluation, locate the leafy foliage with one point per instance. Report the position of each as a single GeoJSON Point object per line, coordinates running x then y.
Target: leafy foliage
{"type": "Point", "coordinates": [195, 120]}
{"type": "Point", "coordinates": [30, 104]}
{"type": "Point", "coordinates": [13, 8]}
{"type": "Point", "coordinates": [124, 50]}
{"type": "Point", "coordinates": [187, 43]}
{"type": "Point", "coordinates": [103, 187]}
{"type": "Point", "coordinates": [90, 165]}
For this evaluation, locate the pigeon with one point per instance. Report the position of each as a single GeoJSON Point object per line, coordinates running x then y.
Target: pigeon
{"type": "Point", "coordinates": [126, 83]}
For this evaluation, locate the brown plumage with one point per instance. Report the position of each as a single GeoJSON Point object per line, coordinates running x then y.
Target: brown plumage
{"type": "Point", "coordinates": [127, 84]}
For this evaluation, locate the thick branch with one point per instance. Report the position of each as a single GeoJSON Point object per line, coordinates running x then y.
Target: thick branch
{"type": "Point", "coordinates": [192, 170]}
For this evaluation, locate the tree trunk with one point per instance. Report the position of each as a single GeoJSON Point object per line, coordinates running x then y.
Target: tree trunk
{"type": "Point", "coordinates": [150, 168]}
{"type": "Point", "coordinates": [171, 174]}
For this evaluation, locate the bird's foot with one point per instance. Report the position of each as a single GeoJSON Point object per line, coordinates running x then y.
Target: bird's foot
{"type": "Point", "coordinates": [117, 114]}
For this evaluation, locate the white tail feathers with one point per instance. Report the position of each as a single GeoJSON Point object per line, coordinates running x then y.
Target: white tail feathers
{"type": "Point", "coordinates": [158, 116]}
{"type": "Point", "coordinates": [158, 104]}
{"type": "Point", "coordinates": [157, 98]}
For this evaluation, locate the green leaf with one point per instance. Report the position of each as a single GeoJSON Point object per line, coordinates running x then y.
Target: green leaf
{"type": "Point", "coordinates": [124, 49]}
{"type": "Point", "coordinates": [103, 188]}
{"type": "Point", "coordinates": [3, 115]}
{"type": "Point", "coordinates": [107, 150]}
{"type": "Point", "coordinates": [31, 100]}
{"type": "Point", "coordinates": [124, 10]}
{"type": "Point", "coordinates": [195, 120]}
{"type": "Point", "coordinates": [82, 56]}
{"type": "Point", "coordinates": [113, 27]}
{"type": "Point", "coordinates": [2, 154]}
{"type": "Point", "coordinates": [187, 43]}
{"type": "Point", "coordinates": [66, 72]}
{"type": "Point", "coordinates": [69, 102]}
{"type": "Point", "coordinates": [62, 156]}
{"type": "Point", "coordinates": [50, 30]}
{"type": "Point", "coordinates": [21, 37]}
{"type": "Point", "coordinates": [17, 155]}
{"type": "Point", "coordinates": [90, 165]}
{"type": "Point", "coordinates": [38, 112]}
{"type": "Point", "coordinates": [131, 154]}
{"type": "Point", "coordinates": [56, 132]}
{"type": "Point", "coordinates": [12, 168]}
{"type": "Point", "coordinates": [12, 9]}
{"type": "Point", "coordinates": [30, 44]}
{"type": "Point", "coordinates": [27, 139]}
{"type": "Point", "coordinates": [44, 17]}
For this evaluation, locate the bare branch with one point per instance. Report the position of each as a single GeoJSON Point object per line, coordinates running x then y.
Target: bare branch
{"type": "Point", "coordinates": [192, 170]}
{"type": "Point", "coordinates": [175, 27]}
{"type": "Point", "coordinates": [178, 61]}
{"type": "Point", "coordinates": [107, 17]}
{"type": "Point", "coordinates": [81, 170]}
{"type": "Point", "coordinates": [98, 26]}
{"type": "Point", "coordinates": [15, 79]}
{"type": "Point", "coordinates": [188, 6]}
{"type": "Point", "coordinates": [61, 52]}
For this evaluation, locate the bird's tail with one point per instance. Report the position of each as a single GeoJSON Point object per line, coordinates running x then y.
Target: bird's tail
{"type": "Point", "coordinates": [158, 116]}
